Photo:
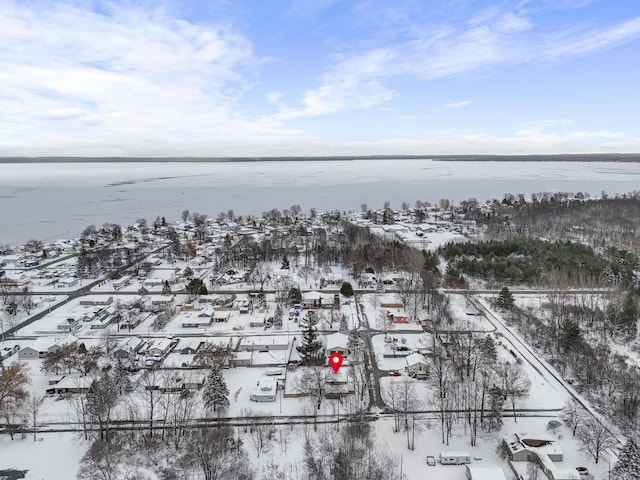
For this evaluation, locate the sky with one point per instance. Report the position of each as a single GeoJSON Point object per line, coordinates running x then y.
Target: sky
{"type": "Point", "coordinates": [318, 77]}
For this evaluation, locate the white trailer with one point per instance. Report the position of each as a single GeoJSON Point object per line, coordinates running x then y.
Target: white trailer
{"type": "Point", "coordinates": [454, 458]}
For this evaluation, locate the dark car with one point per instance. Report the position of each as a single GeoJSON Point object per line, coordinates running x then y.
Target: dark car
{"type": "Point", "coordinates": [583, 471]}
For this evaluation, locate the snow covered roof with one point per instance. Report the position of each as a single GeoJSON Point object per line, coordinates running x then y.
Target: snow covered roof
{"type": "Point", "coordinates": [485, 473]}
{"type": "Point", "coordinates": [416, 359]}
{"type": "Point", "coordinates": [337, 340]}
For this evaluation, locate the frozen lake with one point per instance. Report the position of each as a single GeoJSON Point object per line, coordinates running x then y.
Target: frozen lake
{"type": "Point", "coordinates": [50, 201]}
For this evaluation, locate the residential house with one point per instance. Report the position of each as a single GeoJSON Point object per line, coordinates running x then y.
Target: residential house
{"type": "Point", "coordinates": [542, 450]}
{"type": "Point", "coordinates": [398, 316]}
{"type": "Point", "coordinates": [338, 385]}
{"type": "Point", "coordinates": [96, 300]}
{"type": "Point", "coordinates": [317, 300]}
{"type": "Point", "coordinates": [161, 348]}
{"type": "Point", "coordinates": [220, 316]}
{"type": "Point", "coordinates": [264, 343]}
{"type": "Point", "coordinates": [129, 347]}
{"type": "Point", "coordinates": [189, 346]}
{"type": "Point", "coordinates": [67, 282]}
{"type": "Point", "coordinates": [337, 343]}
{"type": "Point", "coordinates": [391, 301]}
{"type": "Point", "coordinates": [38, 349]}
{"type": "Point", "coordinates": [70, 384]}
{"type": "Point", "coordinates": [417, 366]}
{"type": "Point", "coordinates": [68, 325]}
{"type": "Point", "coordinates": [264, 391]}
{"type": "Point", "coordinates": [121, 282]}
{"type": "Point", "coordinates": [241, 359]}
{"type": "Point", "coordinates": [195, 318]}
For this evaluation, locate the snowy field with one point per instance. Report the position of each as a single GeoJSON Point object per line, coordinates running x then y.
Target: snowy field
{"type": "Point", "coordinates": [58, 454]}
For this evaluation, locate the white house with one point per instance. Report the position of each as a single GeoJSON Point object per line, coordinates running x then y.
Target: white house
{"type": "Point", "coordinates": [265, 390]}
{"type": "Point", "coordinates": [195, 319]}
{"type": "Point", "coordinates": [337, 343]}
{"type": "Point", "coordinates": [161, 348]}
{"type": "Point", "coordinates": [317, 300]}
{"type": "Point", "coordinates": [417, 366]}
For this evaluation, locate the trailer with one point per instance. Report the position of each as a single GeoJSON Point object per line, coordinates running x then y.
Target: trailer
{"type": "Point", "coordinates": [454, 458]}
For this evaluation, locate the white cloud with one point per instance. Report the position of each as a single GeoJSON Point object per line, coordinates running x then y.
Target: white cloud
{"type": "Point", "coordinates": [125, 79]}
{"type": "Point", "coordinates": [357, 81]}
{"type": "Point", "coordinates": [509, 22]}
{"type": "Point", "coordinates": [351, 84]}
{"type": "Point", "coordinates": [461, 104]}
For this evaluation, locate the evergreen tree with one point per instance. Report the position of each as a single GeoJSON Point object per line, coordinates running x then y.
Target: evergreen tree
{"type": "Point", "coordinates": [344, 324]}
{"type": "Point", "coordinates": [216, 393]}
{"type": "Point", "coordinates": [197, 287]}
{"type": "Point", "coordinates": [346, 289]}
{"type": "Point", "coordinates": [355, 342]}
{"type": "Point", "coordinates": [629, 315]}
{"type": "Point", "coordinates": [628, 465]}
{"type": "Point", "coordinates": [295, 296]}
{"type": "Point", "coordinates": [285, 263]}
{"type": "Point", "coordinates": [277, 317]}
{"type": "Point", "coordinates": [310, 347]}
{"type": "Point", "coordinates": [505, 299]}
{"type": "Point", "coordinates": [570, 336]}
{"type": "Point", "coordinates": [431, 261]}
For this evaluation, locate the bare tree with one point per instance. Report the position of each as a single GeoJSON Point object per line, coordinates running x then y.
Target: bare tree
{"type": "Point", "coordinates": [13, 392]}
{"type": "Point", "coordinates": [595, 438]}
{"type": "Point", "coordinates": [515, 383]}
{"type": "Point", "coordinates": [34, 407]}
{"type": "Point", "coordinates": [574, 416]}
{"type": "Point", "coordinates": [211, 451]}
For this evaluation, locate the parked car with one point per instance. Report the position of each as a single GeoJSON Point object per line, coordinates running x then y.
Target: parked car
{"type": "Point", "coordinates": [394, 373]}
{"type": "Point", "coordinates": [431, 460]}
{"type": "Point", "coordinates": [583, 471]}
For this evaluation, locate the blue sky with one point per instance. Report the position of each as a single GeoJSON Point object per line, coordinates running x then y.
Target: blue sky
{"type": "Point", "coordinates": [318, 77]}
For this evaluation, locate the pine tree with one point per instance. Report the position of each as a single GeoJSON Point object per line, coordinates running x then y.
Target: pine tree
{"type": "Point", "coordinates": [505, 299]}
{"type": "Point", "coordinates": [346, 289]}
{"type": "Point", "coordinates": [216, 393]}
{"type": "Point", "coordinates": [285, 263]}
{"type": "Point", "coordinates": [277, 317]}
{"type": "Point", "coordinates": [295, 296]}
{"type": "Point", "coordinates": [628, 465]}
{"type": "Point", "coordinates": [629, 315]}
{"type": "Point", "coordinates": [310, 347]}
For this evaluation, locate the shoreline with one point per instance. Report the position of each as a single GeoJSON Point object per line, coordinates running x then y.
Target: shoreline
{"type": "Point", "coordinates": [587, 157]}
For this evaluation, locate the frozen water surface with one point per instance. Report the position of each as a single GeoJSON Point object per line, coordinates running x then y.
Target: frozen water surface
{"type": "Point", "coordinates": [48, 201]}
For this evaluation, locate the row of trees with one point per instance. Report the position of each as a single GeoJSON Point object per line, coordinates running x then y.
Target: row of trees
{"type": "Point", "coordinates": [575, 336]}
